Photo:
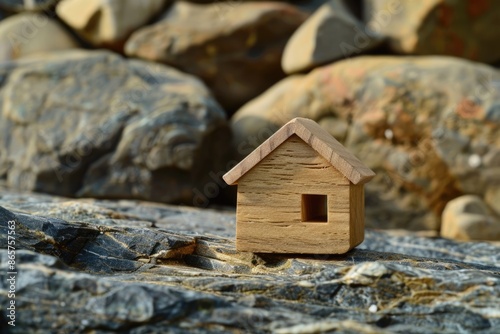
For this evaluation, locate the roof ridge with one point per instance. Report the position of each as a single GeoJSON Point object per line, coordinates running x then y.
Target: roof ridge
{"type": "Point", "coordinates": [318, 139]}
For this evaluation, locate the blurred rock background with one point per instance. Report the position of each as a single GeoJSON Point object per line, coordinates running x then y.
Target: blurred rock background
{"type": "Point", "coordinates": [156, 100]}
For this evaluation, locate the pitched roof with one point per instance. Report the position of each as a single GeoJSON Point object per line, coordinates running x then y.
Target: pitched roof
{"type": "Point", "coordinates": [319, 140]}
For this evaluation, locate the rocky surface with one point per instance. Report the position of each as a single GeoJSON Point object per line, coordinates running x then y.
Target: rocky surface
{"type": "Point", "coordinates": [104, 266]}
{"type": "Point", "coordinates": [428, 126]}
{"type": "Point", "coordinates": [235, 47]}
{"type": "Point", "coordinates": [331, 33]}
{"type": "Point", "coordinates": [28, 34]}
{"type": "Point", "coordinates": [108, 23]}
{"type": "Point", "coordinates": [95, 124]}
{"type": "Point", "coordinates": [438, 27]}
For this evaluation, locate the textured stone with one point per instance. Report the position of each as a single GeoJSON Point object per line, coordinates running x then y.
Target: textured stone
{"type": "Point", "coordinates": [108, 23]}
{"type": "Point", "coordinates": [27, 34]}
{"type": "Point", "coordinates": [310, 6]}
{"type": "Point", "coordinates": [392, 283]}
{"type": "Point", "coordinates": [235, 48]}
{"type": "Point", "coordinates": [97, 125]}
{"type": "Point", "coordinates": [492, 197]}
{"type": "Point", "coordinates": [437, 27]}
{"type": "Point", "coordinates": [469, 218]}
{"type": "Point", "coordinates": [23, 5]}
{"type": "Point", "coordinates": [331, 33]}
{"type": "Point", "coordinates": [428, 126]}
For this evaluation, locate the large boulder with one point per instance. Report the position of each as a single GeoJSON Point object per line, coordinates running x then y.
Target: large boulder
{"type": "Point", "coordinates": [331, 33]}
{"type": "Point", "coordinates": [427, 126]}
{"type": "Point", "coordinates": [492, 196]}
{"type": "Point", "coordinates": [469, 218]}
{"type": "Point", "coordinates": [95, 124]}
{"type": "Point", "coordinates": [30, 5]}
{"type": "Point", "coordinates": [438, 27]}
{"type": "Point", "coordinates": [86, 266]}
{"type": "Point", "coordinates": [235, 48]}
{"type": "Point", "coordinates": [27, 34]}
{"type": "Point", "coordinates": [108, 23]}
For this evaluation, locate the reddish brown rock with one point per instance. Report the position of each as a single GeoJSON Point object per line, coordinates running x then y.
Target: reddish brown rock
{"type": "Point", "coordinates": [235, 48]}
{"type": "Point", "coordinates": [438, 27]}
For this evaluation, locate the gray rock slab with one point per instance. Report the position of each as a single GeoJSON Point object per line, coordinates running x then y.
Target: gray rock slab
{"type": "Point", "coordinates": [79, 275]}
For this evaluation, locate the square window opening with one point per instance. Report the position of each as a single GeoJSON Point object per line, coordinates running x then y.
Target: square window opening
{"type": "Point", "coordinates": [314, 208]}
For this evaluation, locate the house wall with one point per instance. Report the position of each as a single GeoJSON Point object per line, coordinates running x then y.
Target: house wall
{"type": "Point", "coordinates": [357, 222]}
{"type": "Point", "coordinates": [269, 203]}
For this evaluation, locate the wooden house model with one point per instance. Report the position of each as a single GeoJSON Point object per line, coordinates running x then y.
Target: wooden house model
{"type": "Point", "coordinates": [301, 191]}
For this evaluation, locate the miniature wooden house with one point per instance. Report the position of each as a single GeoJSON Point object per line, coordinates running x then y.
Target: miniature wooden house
{"type": "Point", "coordinates": [301, 191]}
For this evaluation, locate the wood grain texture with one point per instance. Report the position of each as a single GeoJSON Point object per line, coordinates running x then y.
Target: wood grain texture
{"type": "Point", "coordinates": [269, 205]}
{"type": "Point", "coordinates": [318, 139]}
{"type": "Point", "coordinates": [357, 212]}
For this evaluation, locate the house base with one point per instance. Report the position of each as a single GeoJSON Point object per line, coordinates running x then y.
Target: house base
{"type": "Point", "coordinates": [294, 238]}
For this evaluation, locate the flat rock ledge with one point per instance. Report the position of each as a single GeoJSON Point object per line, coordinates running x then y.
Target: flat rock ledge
{"type": "Point", "coordinates": [105, 266]}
